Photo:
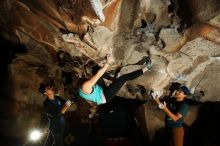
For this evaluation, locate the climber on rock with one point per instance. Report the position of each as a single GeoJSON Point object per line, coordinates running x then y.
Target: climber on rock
{"type": "Point", "coordinates": [97, 94]}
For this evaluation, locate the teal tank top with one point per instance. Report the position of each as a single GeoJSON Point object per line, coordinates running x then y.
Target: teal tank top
{"type": "Point", "coordinates": [96, 95]}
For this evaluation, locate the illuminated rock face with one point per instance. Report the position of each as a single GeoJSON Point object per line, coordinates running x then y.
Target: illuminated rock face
{"type": "Point", "coordinates": [182, 38]}
{"type": "Point", "coordinates": [97, 7]}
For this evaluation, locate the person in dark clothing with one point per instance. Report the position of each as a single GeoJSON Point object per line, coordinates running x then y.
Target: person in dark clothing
{"type": "Point", "coordinates": [55, 107]}
{"type": "Point", "coordinates": [97, 94]}
{"type": "Point", "coordinates": [176, 109]}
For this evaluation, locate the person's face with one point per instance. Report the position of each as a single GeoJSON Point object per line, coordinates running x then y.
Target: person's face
{"type": "Point", "coordinates": [49, 91]}
{"type": "Point", "coordinates": [180, 95]}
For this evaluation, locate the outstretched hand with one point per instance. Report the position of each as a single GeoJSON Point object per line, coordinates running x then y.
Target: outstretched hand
{"type": "Point", "coordinates": [162, 105]}
{"type": "Point", "coordinates": [156, 95]}
{"type": "Point", "coordinates": [66, 106]}
{"type": "Point", "coordinates": [68, 103]}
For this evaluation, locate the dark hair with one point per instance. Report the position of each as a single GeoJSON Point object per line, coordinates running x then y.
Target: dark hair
{"type": "Point", "coordinates": [48, 82]}
{"type": "Point", "coordinates": [174, 86]}
{"type": "Point", "coordinates": [82, 80]}
{"type": "Point", "coordinates": [95, 69]}
{"type": "Point", "coordinates": [185, 90]}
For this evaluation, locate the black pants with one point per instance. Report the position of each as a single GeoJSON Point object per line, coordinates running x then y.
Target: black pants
{"type": "Point", "coordinates": [114, 87]}
{"type": "Point", "coordinates": [55, 138]}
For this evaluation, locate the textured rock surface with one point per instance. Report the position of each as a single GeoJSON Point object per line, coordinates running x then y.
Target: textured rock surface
{"type": "Point", "coordinates": [182, 38]}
